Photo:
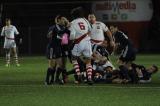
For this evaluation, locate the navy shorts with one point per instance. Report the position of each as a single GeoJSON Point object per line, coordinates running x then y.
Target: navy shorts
{"type": "Point", "coordinates": [54, 52]}
{"type": "Point", "coordinates": [128, 54]}
{"type": "Point", "coordinates": [65, 50]}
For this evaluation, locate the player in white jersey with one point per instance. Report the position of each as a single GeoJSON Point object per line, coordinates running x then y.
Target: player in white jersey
{"type": "Point", "coordinates": [9, 31]}
{"type": "Point", "coordinates": [98, 31]}
{"type": "Point", "coordinates": [79, 34]}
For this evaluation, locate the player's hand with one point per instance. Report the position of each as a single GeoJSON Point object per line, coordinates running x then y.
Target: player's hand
{"type": "Point", "coordinates": [111, 47]}
{"type": "Point", "coordinates": [20, 41]}
{"type": "Point", "coordinates": [104, 44]}
{"type": "Point", "coordinates": [112, 44]}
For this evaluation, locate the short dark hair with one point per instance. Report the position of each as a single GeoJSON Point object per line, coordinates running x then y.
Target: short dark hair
{"type": "Point", "coordinates": [77, 12]}
{"type": "Point", "coordinates": [8, 19]}
{"type": "Point", "coordinates": [114, 25]}
{"type": "Point", "coordinates": [156, 68]}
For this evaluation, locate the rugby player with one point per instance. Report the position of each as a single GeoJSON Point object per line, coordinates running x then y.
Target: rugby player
{"type": "Point", "coordinates": [79, 34]}
{"type": "Point", "coordinates": [54, 50]}
{"type": "Point", "coordinates": [125, 46]}
{"type": "Point", "coordinates": [9, 31]}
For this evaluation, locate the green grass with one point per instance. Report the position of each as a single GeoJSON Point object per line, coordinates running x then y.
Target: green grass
{"type": "Point", "coordinates": [24, 86]}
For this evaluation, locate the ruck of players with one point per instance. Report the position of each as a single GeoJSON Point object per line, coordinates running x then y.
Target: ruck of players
{"type": "Point", "coordinates": [87, 44]}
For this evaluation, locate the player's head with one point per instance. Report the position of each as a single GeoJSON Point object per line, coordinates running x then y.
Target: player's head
{"type": "Point", "coordinates": [113, 28]}
{"type": "Point", "coordinates": [61, 20]}
{"type": "Point", "coordinates": [152, 69]}
{"type": "Point", "coordinates": [8, 21]}
{"type": "Point", "coordinates": [77, 13]}
{"type": "Point", "coordinates": [109, 69]}
{"type": "Point", "coordinates": [91, 18]}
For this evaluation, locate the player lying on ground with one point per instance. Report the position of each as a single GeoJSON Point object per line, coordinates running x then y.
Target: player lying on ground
{"type": "Point", "coordinates": [8, 32]}
{"type": "Point", "coordinates": [104, 72]}
{"type": "Point", "coordinates": [144, 74]}
{"type": "Point", "coordinates": [136, 74]}
{"type": "Point", "coordinates": [100, 63]}
{"type": "Point", "coordinates": [56, 51]}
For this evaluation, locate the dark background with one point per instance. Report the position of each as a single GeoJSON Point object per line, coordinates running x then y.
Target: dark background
{"type": "Point", "coordinates": [33, 18]}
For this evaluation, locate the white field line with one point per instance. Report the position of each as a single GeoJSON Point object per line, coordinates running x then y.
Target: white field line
{"type": "Point", "coordinates": [85, 86]}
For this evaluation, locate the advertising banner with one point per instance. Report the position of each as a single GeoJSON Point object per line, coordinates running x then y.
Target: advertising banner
{"type": "Point", "coordinates": [123, 10]}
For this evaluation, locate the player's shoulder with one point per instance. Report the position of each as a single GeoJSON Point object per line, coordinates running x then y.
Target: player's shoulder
{"type": "Point", "coordinates": [77, 20]}
{"type": "Point", "coordinates": [120, 32]}
{"type": "Point", "coordinates": [52, 27]}
{"type": "Point", "coordinates": [73, 22]}
{"type": "Point", "coordinates": [12, 26]}
{"type": "Point", "coordinates": [3, 27]}
{"type": "Point", "coordinates": [99, 23]}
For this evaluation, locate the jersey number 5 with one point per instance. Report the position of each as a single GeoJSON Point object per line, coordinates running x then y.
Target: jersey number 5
{"type": "Point", "coordinates": [81, 25]}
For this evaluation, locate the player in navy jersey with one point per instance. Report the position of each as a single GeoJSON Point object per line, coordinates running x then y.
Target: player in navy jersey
{"type": "Point", "coordinates": [124, 45]}
{"type": "Point", "coordinates": [55, 51]}
{"type": "Point", "coordinates": [127, 52]}
{"type": "Point", "coordinates": [144, 74]}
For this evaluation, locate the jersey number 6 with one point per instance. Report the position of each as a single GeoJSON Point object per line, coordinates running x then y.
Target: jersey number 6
{"type": "Point", "coordinates": [81, 25]}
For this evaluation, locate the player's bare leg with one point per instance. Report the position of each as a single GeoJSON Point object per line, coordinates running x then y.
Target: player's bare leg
{"type": "Point", "coordinates": [50, 72]}
{"type": "Point", "coordinates": [89, 70]}
{"type": "Point", "coordinates": [64, 76]}
{"type": "Point", "coordinates": [77, 70]}
{"type": "Point", "coordinates": [59, 71]}
{"type": "Point", "coordinates": [15, 56]}
{"type": "Point", "coordinates": [124, 66]}
{"type": "Point", "coordinates": [7, 57]}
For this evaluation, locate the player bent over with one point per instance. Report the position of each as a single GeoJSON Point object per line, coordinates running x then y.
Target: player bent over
{"type": "Point", "coordinates": [9, 31]}
{"type": "Point", "coordinates": [79, 34]}
{"type": "Point", "coordinates": [125, 47]}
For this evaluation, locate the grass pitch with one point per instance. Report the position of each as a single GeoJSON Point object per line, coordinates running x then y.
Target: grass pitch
{"type": "Point", "coordinates": [24, 86]}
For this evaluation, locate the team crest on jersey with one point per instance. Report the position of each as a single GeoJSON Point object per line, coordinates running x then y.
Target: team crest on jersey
{"type": "Point", "coordinates": [98, 27]}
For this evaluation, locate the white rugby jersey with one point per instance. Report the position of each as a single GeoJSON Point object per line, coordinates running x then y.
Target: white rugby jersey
{"type": "Point", "coordinates": [9, 32]}
{"type": "Point", "coordinates": [79, 27]}
{"type": "Point", "coordinates": [97, 31]}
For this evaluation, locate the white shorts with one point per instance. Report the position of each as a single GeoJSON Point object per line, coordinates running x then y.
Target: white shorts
{"type": "Point", "coordinates": [101, 67]}
{"type": "Point", "coordinates": [83, 48]}
{"type": "Point", "coordinates": [109, 64]}
{"type": "Point", "coordinates": [9, 44]}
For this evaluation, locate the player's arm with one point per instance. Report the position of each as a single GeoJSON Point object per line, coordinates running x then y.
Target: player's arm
{"type": "Point", "coordinates": [89, 27]}
{"type": "Point", "coordinates": [109, 34]}
{"type": "Point", "coordinates": [72, 37]}
{"type": "Point", "coordinates": [50, 32]}
{"type": "Point", "coordinates": [16, 31]}
{"type": "Point", "coordinates": [2, 32]}
{"type": "Point", "coordinates": [72, 32]}
{"type": "Point", "coordinates": [49, 35]}
{"type": "Point", "coordinates": [19, 37]}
